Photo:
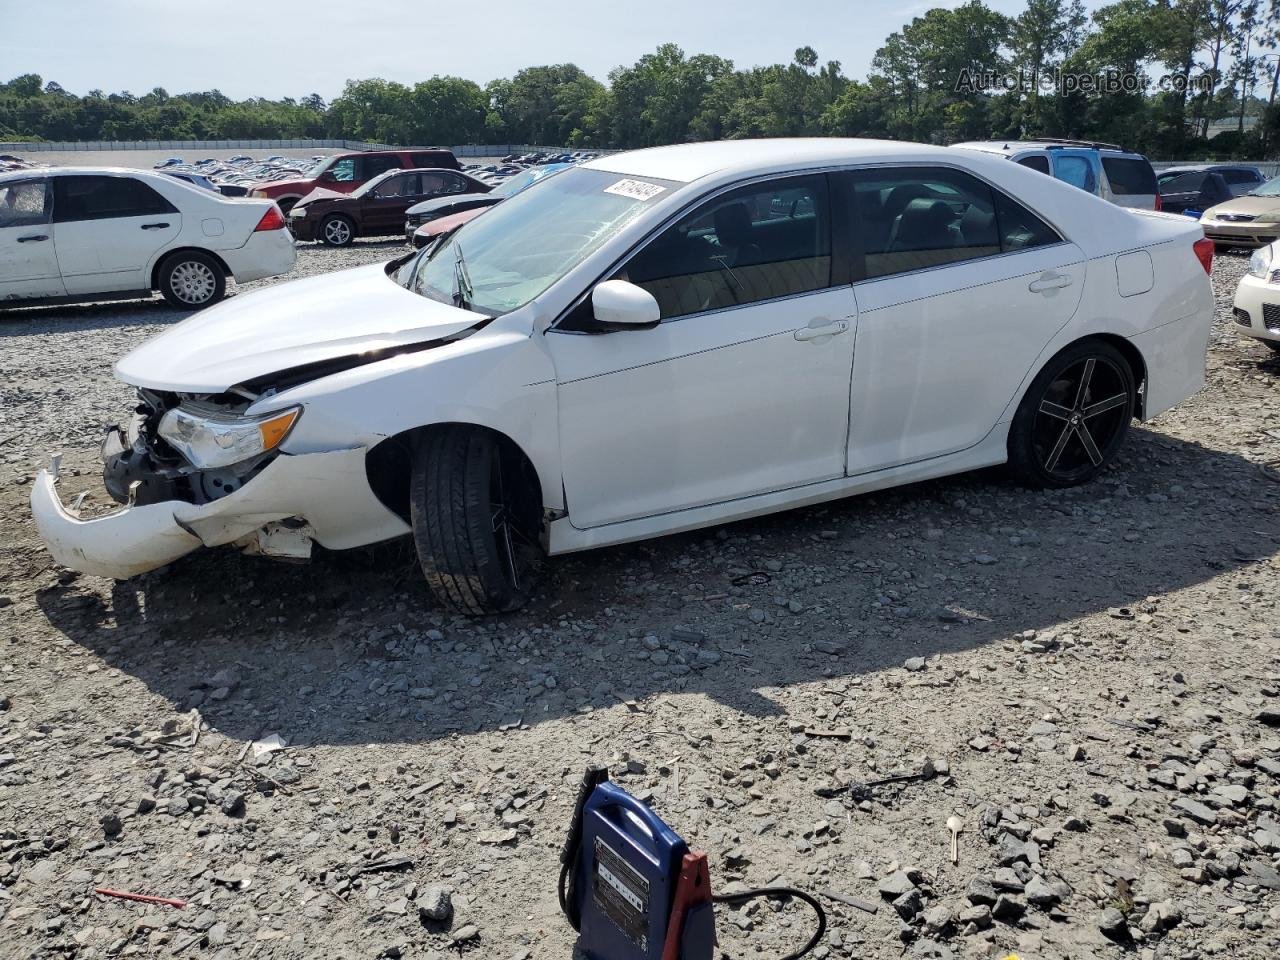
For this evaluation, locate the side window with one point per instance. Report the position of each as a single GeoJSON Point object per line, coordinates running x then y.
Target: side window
{"type": "Point", "coordinates": [454, 184]}
{"type": "Point", "coordinates": [372, 166]}
{"type": "Point", "coordinates": [344, 170]}
{"type": "Point", "coordinates": [396, 186]}
{"type": "Point", "coordinates": [1183, 183]}
{"type": "Point", "coordinates": [105, 198]}
{"type": "Point", "coordinates": [1076, 171]}
{"type": "Point", "coordinates": [1129, 176]}
{"type": "Point", "coordinates": [24, 204]}
{"type": "Point", "coordinates": [1019, 228]}
{"type": "Point", "coordinates": [434, 184]}
{"type": "Point", "coordinates": [1037, 161]}
{"type": "Point", "coordinates": [1240, 177]}
{"type": "Point", "coordinates": [913, 218]}
{"type": "Point", "coordinates": [756, 243]}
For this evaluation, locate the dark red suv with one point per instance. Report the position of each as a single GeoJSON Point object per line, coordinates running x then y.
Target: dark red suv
{"type": "Point", "coordinates": [343, 172]}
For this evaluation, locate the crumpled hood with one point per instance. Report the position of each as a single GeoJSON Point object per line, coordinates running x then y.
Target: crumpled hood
{"type": "Point", "coordinates": [290, 325]}
{"type": "Point", "coordinates": [320, 193]}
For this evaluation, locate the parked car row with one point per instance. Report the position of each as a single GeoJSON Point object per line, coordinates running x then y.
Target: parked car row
{"type": "Point", "coordinates": [653, 342]}
{"type": "Point", "coordinates": [9, 162]}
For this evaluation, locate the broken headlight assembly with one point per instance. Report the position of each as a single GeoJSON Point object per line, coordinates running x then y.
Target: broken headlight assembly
{"type": "Point", "coordinates": [208, 442]}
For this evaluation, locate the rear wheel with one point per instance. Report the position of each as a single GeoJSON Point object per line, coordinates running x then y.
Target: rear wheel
{"type": "Point", "coordinates": [190, 279]}
{"type": "Point", "coordinates": [337, 231]}
{"type": "Point", "coordinates": [474, 512]}
{"type": "Point", "coordinates": [1074, 417]}
{"type": "Point", "coordinates": [1273, 344]}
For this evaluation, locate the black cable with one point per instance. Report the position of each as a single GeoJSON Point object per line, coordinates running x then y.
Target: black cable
{"type": "Point", "coordinates": [782, 893]}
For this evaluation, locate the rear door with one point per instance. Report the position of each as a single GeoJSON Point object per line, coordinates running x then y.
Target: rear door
{"type": "Point", "coordinates": [961, 289]}
{"type": "Point", "coordinates": [28, 261]}
{"type": "Point", "coordinates": [109, 227]}
{"type": "Point", "coordinates": [1130, 180]}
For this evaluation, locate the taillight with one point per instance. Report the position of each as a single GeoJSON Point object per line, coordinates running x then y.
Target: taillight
{"type": "Point", "coordinates": [1204, 253]}
{"type": "Point", "coordinates": [273, 219]}
{"type": "Point", "coordinates": [1159, 202]}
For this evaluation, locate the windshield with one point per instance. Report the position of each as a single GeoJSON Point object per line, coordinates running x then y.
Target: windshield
{"type": "Point", "coordinates": [1269, 189]}
{"type": "Point", "coordinates": [514, 185]}
{"type": "Point", "coordinates": [501, 261]}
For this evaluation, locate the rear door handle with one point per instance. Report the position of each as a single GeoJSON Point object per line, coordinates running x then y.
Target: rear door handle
{"type": "Point", "coordinates": [826, 330]}
{"type": "Point", "coordinates": [1049, 281]}
{"type": "Point", "coordinates": [33, 238]}
{"type": "Point", "coordinates": [154, 226]}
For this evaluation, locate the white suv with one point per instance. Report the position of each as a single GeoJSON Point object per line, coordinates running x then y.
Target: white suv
{"type": "Point", "coordinates": [73, 234]}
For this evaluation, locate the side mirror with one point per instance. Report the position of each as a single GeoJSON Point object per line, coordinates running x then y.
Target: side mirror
{"type": "Point", "coordinates": [328, 177]}
{"type": "Point", "coordinates": [622, 304]}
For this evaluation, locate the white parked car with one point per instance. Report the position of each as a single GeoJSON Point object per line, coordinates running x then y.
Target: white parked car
{"type": "Point", "coordinates": [653, 342]}
{"type": "Point", "coordinates": [71, 234]}
{"type": "Point", "coordinates": [1257, 306]}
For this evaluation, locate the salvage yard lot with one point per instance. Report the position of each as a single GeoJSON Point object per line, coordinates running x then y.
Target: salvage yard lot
{"type": "Point", "coordinates": [1100, 691]}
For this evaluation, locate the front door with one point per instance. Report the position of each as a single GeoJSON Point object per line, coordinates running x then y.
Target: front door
{"type": "Point", "coordinates": [109, 228]}
{"type": "Point", "coordinates": [28, 261]}
{"type": "Point", "coordinates": [743, 386]}
{"type": "Point", "coordinates": [963, 289]}
{"type": "Point", "coordinates": [382, 209]}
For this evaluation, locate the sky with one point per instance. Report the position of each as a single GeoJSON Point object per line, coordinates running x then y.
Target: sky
{"type": "Point", "coordinates": [249, 48]}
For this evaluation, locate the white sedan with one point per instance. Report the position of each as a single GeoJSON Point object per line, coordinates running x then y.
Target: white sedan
{"type": "Point", "coordinates": [1257, 306]}
{"type": "Point", "coordinates": [71, 234]}
{"type": "Point", "coordinates": [653, 342]}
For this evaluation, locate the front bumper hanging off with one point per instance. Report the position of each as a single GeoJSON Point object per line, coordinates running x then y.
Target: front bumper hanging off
{"type": "Point", "coordinates": [327, 490]}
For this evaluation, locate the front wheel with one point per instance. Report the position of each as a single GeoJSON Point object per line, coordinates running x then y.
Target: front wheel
{"type": "Point", "coordinates": [337, 231]}
{"type": "Point", "coordinates": [191, 280]}
{"type": "Point", "coordinates": [1074, 417]}
{"type": "Point", "coordinates": [474, 512]}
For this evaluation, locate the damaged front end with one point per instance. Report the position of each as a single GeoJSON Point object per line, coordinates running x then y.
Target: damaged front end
{"type": "Point", "coordinates": [190, 471]}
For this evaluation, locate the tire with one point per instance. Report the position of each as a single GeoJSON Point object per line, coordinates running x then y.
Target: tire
{"type": "Point", "coordinates": [473, 510]}
{"type": "Point", "coordinates": [337, 231]}
{"type": "Point", "coordinates": [1074, 417]}
{"type": "Point", "coordinates": [192, 280]}
{"type": "Point", "coordinates": [1274, 345]}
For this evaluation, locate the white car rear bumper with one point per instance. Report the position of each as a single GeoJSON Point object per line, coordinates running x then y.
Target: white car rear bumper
{"type": "Point", "coordinates": [1257, 308]}
{"type": "Point", "coordinates": [328, 490]}
{"type": "Point", "coordinates": [268, 253]}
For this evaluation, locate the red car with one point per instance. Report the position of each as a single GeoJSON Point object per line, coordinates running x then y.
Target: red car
{"type": "Point", "coordinates": [343, 172]}
{"type": "Point", "coordinates": [429, 231]}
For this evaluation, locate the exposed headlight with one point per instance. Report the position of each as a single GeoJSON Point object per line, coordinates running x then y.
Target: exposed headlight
{"type": "Point", "coordinates": [213, 442]}
{"type": "Point", "coordinates": [257, 193]}
{"type": "Point", "coordinates": [1260, 262]}
{"type": "Point", "coordinates": [298, 212]}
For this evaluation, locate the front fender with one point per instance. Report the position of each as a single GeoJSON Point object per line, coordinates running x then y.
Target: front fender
{"type": "Point", "coordinates": [501, 378]}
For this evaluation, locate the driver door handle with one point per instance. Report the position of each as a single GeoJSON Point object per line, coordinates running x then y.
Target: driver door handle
{"type": "Point", "coordinates": [1049, 281]}
{"type": "Point", "coordinates": [154, 226]}
{"type": "Point", "coordinates": [826, 330]}
{"type": "Point", "coordinates": [33, 238]}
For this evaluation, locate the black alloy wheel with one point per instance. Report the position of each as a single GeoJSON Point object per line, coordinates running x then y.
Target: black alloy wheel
{"type": "Point", "coordinates": [1074, 417]}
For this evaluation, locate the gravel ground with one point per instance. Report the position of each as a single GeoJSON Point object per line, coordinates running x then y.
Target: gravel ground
{"type": "Point", "coordinates": [1090, 677]}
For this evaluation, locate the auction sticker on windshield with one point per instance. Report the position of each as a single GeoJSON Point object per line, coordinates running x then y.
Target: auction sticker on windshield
{"type": "Point", "coordinates": [635, 189]}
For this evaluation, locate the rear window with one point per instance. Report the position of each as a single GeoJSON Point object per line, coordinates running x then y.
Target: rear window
{"type": "Point", "coordinates": [1129, 176]}
{"type": "Point", "coordinates": [434, 158]}
{"type": "Point", "coordinates": [1240, 176]}
{"type": "Point", "coordinates": [1182, 183]}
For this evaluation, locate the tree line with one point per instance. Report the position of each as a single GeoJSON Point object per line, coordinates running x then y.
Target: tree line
{"type": "Point", "coordinates": [1160, 76]}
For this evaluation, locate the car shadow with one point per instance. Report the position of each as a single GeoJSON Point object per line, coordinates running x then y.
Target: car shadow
{"type": "Point", "coordinates": [351, 649]}
{"type": "Point", "coordinates": [101, 315]}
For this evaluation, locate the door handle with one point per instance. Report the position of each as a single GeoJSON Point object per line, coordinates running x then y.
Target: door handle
{"type": "Point", "coordinates": [1049, 281]}
{"type": "Point", "coordinates": [154, 226]}
{"type": "Point", "coordinates": [826, 330]}
{"type": "Point", "coordinates": [33, 238]}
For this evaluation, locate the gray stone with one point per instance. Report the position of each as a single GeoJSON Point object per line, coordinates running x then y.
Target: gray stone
{"type": "Point", "coordinates": [909, 904]}
{"type": "Point", "coordinates": [1112, 924]}
{"type": "Point", "coordinates": [1196, 810]}
{"type": "Point", "coordinates": [895, 885]}
{"type": "Point", "coordinates": [1008, 908]}
{"type": "Point", "coordinates": [914, 664]}
{"type": "Point", "coordinates": [1040, 893]}
{"type": "Point", "coordinates": [435, 903]}
{"type": "Point", "coordinates": [980, 891]}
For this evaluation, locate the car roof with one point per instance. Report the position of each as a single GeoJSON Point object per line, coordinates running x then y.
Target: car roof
{"type": "Point", "coordinates": [687, 162]}
{"type": "Point", "coordinates": [85, 171]}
